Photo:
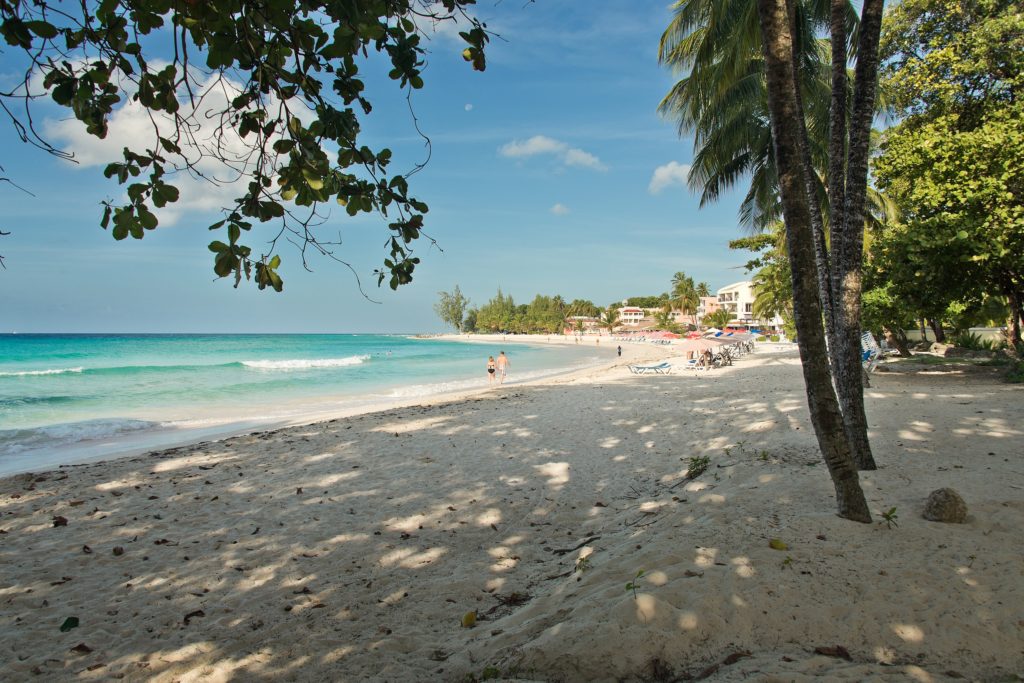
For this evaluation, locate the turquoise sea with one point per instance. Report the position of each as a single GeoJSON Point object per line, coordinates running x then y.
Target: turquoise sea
{"type": "Point", "coordinates": [66, 398]}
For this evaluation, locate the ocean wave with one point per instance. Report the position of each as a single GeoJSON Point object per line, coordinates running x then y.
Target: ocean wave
{"type": "Point", "coordinates": [54, 371]}
{"type": "Point", "coordinates": [15, 441]}
{"type": "Point", "coordinates": [305, 364]}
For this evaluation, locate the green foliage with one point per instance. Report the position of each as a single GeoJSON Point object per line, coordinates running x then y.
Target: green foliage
{"type": "Point", "coordinates": [972, 341]}
{"type": "Point", "coordinates": [883, 308]}
{"type": "Point", "coordinates": [583, 307]}
{"type": "Point", "coordinates": [291, 97]}
{"type": "Point", "coordinates": [684, 293]}
{"type": "Point", "coordinates": [955, 162]}
{"type": "Point", "coordinates": [720, 318]}
{"type": "Point", "coordinates": [635, 583]}
{"type": "Point", "coordinates": [698, 466]}
{"type": "Point", "coordinates": [496, 315]}
{"type": "Point", "coordinates": [647, 301]}
{"type": "Point", "coordinates": [469, 322]}
{"type": "Point", "coordinates": [610, 317]}
{"type": "Point", "coordinates": [722, 101]}
{"type": "Point", "coordinates": [890, 517]}
{"type": "Point", "coordinates": [543, 315]}
{"type": "Point", "coordinates": [1015, 374]}
{"type": "Point", "coordinates": [451, 308]}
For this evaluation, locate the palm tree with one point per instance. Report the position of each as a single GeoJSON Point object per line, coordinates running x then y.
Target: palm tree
{"type": "Point", "coordinates": [610, 318]}
{"type": "Point", "coordinates": [684, 294]}
{"type": "Point", "coordinates": [703, 289]}
{"type": "Point", "coordinates": [723, 102]}
{"type": "Point", "coordinates": [720, 318]}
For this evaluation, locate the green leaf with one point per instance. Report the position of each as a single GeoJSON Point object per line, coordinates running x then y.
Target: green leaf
{"type": "Point", "coordinates": [43, 29]}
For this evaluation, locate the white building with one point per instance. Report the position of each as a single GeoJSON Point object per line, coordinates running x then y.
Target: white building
{"type": "Point", "coordinates": [631, 315]}
{"type": "Point", "coordinates": [738, 299]}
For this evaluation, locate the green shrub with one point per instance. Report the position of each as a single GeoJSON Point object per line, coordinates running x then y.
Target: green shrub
{"type": "Point", "coordinates": [974, 342]}
{"type": "Point", "coordinates": [1016, 372]}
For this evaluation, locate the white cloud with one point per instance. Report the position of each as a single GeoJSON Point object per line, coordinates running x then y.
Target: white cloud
{"type": "Point", "coordinates": [672, 173]}
{"type": "Point", "coordinates": [559, 209]}
{"type": "Point", "coordinates": [469, 107]}
{"type": "Point", "coordinates": [538, 144]}
{"type": "Point", "coordinates": [542, 144]}
{"type": "Point", "coordinates": [132, 124]}
{"type": "Point", "coordinates": [577, 157]}
{"type": "Point", "coordinates": [446, 26]}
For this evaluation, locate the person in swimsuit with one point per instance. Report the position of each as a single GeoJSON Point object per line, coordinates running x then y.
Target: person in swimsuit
{"type": "Point", "coordinates": [490, 369]}
{"type": "Point", "coordinates": [502, 364]}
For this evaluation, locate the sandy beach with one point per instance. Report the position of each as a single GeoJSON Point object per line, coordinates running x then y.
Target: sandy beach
{"type": "Point", "coordinates": [354, 549]}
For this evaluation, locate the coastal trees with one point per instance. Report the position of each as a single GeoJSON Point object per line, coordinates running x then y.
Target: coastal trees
{"type": "Point", "coordinates": [955, 162]}
{"type": "Point", "coordinates": [610, 318]}
{"type": "Point", "coordinates": [451, 307]}
{"type": "Point", "coordinates": [684, 294]}
{"type": "Point", "coordinates": [496, 315]}
{"type": "Point", "coordinates": [719, 318]}
{"type": "Point", "coordinates": [773, 290]}
{"type": "Point", "coordinates": [269, 92]}
{"type": "Point", "coordinates": [582, 307]}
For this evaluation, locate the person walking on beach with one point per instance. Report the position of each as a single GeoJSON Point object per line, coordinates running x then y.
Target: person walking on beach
{"type": "Point", "coordinates": [619, 350]}
{"type": "Point", "coordinates": [490, 369]}
{"type": "Point", "coordinates": [502, 367]}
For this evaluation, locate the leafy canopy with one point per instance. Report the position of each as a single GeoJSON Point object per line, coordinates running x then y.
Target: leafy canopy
{"type": "Point", "coordinates": [272, 90]}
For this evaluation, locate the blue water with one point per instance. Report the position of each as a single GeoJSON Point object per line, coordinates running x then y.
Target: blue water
{"type": "Point", "coordinates": [71, 397]}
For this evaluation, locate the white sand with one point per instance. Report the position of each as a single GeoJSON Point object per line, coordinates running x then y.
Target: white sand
{"type": "Point", "coordinates": [350, 550]}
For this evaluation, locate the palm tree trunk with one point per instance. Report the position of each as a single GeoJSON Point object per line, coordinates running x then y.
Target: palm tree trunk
{"type": "Point", "coordinates": [848, 242]}
{"type": "Point", "coordinates": [783, 106]}
{"type": "Point", "coordinates": [1013, 295]}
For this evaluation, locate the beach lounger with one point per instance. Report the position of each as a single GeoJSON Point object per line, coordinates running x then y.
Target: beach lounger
{"type": "Point", "coordinates": [696, 364]}
{"type": "Point", "coordinates": [659, 369]}
{"type": "Point", "coordinates": [870, 352]}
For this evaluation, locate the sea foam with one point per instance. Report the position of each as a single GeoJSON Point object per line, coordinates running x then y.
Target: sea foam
{"type": "Point", "coordinates": [26, 373]}
{"type": "Point", "coordinates": [305, 364]}
{"type": "Point", "coordinates": [16, 441]}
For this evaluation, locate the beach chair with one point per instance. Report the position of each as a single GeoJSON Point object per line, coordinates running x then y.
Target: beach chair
{"type": "Point", "coordinates": [659, 369]}
{"type": "Point", "coordinates": [871, 352]}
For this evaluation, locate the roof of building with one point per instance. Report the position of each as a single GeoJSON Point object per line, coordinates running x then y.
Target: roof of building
{"type": "Point", "coordinates": [737, 285]}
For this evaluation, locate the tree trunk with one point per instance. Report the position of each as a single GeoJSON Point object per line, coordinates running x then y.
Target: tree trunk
{"type": "Point", "coordinates": [848, 222]}
{"type": "Point", "coordinates": [821, 259]}
{"type": "Point", "coordinates": [783, 106]}
{"type": "Point", "coordinates": [1013, 295]}
{"type": "Point", "coordinates": [940, 334]}
{"type": "Point", "coordinates": [898, 338]}
{"type": "Point", "coordinates": [924, 330]}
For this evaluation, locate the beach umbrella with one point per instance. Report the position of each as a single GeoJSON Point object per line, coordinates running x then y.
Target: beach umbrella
{"type": "Point", "coordinates": [699, 345]}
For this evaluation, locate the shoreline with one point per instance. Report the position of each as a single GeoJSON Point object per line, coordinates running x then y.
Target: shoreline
{"type": "Point", "coordinates": [127, 446]}
{"type": "Point", "coordinates": [352, 549]}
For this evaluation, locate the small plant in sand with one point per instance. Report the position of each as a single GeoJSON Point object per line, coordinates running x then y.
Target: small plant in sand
{"type": "Point", "coordinates": [890, 517]}
{"type": "Point", "coordinates": [763, 456]}
{"type": "Point", "coordinates": [635, 583]}
{"type": "Point", "coordinates": [583, 564]}
{"type": "Point", "coordinates": [698, 465]}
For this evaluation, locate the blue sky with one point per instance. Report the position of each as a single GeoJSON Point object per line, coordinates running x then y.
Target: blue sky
{"type": "Point", "coordinates": [544, 178]}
